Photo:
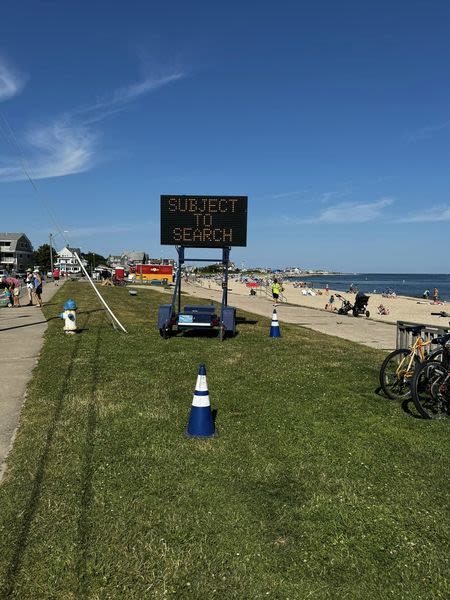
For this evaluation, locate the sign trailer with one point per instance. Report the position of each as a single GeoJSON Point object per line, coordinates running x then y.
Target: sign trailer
{"type": "Point", "coordinates": [201, 222]}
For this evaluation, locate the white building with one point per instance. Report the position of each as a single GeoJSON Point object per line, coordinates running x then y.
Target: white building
{"type": "Point", "coordinates": [67, 263]}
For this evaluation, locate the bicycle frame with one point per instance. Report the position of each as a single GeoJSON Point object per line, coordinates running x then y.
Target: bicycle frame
{"type": "Point", "coordinates": [416, 348]}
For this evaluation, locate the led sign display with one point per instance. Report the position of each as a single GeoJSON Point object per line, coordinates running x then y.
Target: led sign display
{"type": "Point", "coordinates": [204, 221]}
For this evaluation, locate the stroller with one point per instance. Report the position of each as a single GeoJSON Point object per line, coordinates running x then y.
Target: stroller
{"type": "Point", "coordinates": [359, 308]}
{"type": "Point", "coordinates": [345, 307]}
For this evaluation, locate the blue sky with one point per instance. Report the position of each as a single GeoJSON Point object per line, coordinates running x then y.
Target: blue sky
{"type": "Point", "coordinates": [333, 117]}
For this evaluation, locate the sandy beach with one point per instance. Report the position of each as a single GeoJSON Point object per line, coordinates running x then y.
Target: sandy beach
{"type": "Point", "coordinates": [401, 308]}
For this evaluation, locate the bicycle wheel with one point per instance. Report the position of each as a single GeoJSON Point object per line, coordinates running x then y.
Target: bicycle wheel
{"type": "Point", "coordinates": [395, 376]}
{"type": "Point", "coordinates": [431, 390]}
{"type": "Point", "coordinates": [436, 355]}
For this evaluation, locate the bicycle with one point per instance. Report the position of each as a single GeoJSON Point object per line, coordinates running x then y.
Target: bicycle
{"type": "Point", "coordinates": [430, 386]}
{"type": "Point", "coordinates": [398, 367]}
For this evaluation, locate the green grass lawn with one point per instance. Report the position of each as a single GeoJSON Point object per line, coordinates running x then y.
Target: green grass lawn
{"type": "Point", "coordinates": [316, 487]}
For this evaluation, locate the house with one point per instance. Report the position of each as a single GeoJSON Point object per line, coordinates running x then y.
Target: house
{"type": "Point", "coordinates": [16, 252]}
{"type": "Point", "coordinates": [133, 258]}
{"type": "Point", "coordinates": [66, 261]}
{"type": "Point", "coordinates": [114, 260]}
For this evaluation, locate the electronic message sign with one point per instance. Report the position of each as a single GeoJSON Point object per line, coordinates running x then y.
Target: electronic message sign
{"type": "Point", "coordinates": [204, 221]}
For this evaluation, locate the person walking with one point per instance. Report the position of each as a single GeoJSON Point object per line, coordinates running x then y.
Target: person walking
{"type": "Point", "coordinates": [37, 287]}
{"type": "Point", "coordinates": [29, 282]}
{"type": "Point", "coordinates": [276, 289]}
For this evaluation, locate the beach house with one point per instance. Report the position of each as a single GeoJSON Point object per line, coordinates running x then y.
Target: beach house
{"type": "Point", "coordinates": [16, 252]}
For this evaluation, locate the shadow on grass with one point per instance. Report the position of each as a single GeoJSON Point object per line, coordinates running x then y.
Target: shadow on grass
{"type": "Point", "coordinates": [84, 525]}
{"type": "Point", "coordinates": [36, 490]}
{"type": "Point", "coordinates": [406, 405]}
{"type": "Point", "coordinates": [245, 321]}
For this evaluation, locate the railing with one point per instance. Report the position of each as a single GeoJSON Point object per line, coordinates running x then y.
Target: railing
{"type": "Point", "coordinates": [405, 338]}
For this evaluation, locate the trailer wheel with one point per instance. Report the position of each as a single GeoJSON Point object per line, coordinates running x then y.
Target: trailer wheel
{"type": "Point", "coordinates": [165, 332]}
{"type": "Point", "coordinates": [367, 313]}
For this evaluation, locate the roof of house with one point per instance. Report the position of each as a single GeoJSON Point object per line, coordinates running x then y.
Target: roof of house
{"type": "Point", "coordinates": [136, 256]}
{"type": "Point", "coordinates": [70, 249]}
{"type": "Point", "coordinates": [10, 236]}
{"type": "Point", "coordinates": [14, 238]}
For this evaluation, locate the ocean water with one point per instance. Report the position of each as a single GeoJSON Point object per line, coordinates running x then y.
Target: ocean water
{"type": "Point", "coordinates": [401, 284]}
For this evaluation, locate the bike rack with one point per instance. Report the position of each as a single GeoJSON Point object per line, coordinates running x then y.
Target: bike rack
{"type": "Point", "coordinates": [405, 339]}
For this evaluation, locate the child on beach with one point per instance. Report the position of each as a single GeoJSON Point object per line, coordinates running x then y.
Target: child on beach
{"type": "Point", "coordinates": [9, 297]}
{"type": "Point", "coordinates": [331, 302]}
{"type": "Point", "coordinates": [16, 294]}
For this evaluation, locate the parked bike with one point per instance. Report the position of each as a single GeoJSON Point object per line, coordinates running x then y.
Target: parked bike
{"type": "Point", "coordinates": [430, 386]}
{"type": "Point", "coordinates": [399, 366]}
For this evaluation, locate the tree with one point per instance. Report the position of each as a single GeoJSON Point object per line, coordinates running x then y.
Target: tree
{"type": "Point", "coordinates": [41, 257]}
{"type": "Point", "coordinates": [93, 259]}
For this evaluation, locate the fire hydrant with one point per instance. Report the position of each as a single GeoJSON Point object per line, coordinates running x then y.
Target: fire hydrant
{"type": "Point", "coordinates": [70, 316]}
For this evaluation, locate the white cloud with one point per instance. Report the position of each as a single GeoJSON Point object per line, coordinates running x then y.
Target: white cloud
{"type": "Point", "coordinates": [427, 132]}
{"type": "Point", "coordinates": [11, 81]}
{"type": "Point", "coordinates": [431, 215]}
{"type": "Point", "coordinates": [56, 150]}
{"type": "Point", "coordinates": [349, 212]}
{"type": "Point", "coordinates": [68, 145]}
{"type": "Point", "coordinates": [124, 96]}
{"type": "Point", "coordinates": [289, 194]}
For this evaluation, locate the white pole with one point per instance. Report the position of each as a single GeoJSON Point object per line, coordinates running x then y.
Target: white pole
{"type": "Point", "coordinates": [115, 319]}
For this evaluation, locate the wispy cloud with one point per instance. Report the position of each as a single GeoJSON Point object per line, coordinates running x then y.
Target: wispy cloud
{"type": "Point", "coordinates": [124, 96]}
{"type": "Point", "coordinates": [286, 195]}
{"type": "Point", "coordinates": [348, 212]}
{"type": "Point", "coordinates": [334, 194]}
{"type": "Point", "coordinates": [431, 215]}
{"type": "Point", "coordinates": [427, 132]}
{"type": "Point", "coordinates": [59, 149]}
{"type": "Point", "coordinates": [68, 144]}
{"type": "Point", "coordinates": [11, 81]}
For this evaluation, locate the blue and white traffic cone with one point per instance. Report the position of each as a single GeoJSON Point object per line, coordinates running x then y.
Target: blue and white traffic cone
{"type": "Point", "coordinates": [275, 331]}
{"type": "Point", "coordinates": [201, 423]}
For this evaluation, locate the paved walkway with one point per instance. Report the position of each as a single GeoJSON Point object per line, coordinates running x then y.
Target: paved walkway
{"type": "Point", "coordinates": [21, 338]}
{"type": "Point", "coordinates": [361, 330]}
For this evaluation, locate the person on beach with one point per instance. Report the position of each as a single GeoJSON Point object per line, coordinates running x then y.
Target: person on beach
{"type": "Point", "coordinates": [331, 302]}
{"type": "Point", "coordinates": [426, 294]}
{"type": "Point", "coordinates": [435, 295]}
{"type": "Point", "coordinates": [9, 297]}
{"type": "Point", "coordinates": [16, 295]}
{"type": "Point", "coordinates": [276, 289]}
{"type": "Point", "coordinates": [37, 281]}
{"type": "Point", "coordinates": [30, 286]}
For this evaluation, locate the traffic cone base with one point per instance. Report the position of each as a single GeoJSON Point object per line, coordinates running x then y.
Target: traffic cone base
{"type": "Point", "coordinates": [275, 331]}
{"type": "Point", "coordinates": [201, 423]}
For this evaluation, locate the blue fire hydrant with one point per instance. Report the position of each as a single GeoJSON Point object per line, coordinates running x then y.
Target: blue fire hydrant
{"type": "Point", "coordinates": [69, 316]}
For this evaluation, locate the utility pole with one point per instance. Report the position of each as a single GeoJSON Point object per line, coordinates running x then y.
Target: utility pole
{"type": "Point", "coordinates": [51, 254]}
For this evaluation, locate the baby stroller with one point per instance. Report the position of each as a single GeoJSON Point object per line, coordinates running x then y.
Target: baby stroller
{"type": "Point", "coordinates": [360, 306]}
{"type": "Point", "coordinates": [345, 307]}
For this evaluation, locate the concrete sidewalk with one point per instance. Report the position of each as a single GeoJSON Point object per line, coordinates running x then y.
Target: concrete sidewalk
{"type": "Point", "coordinates": [21, 337]}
